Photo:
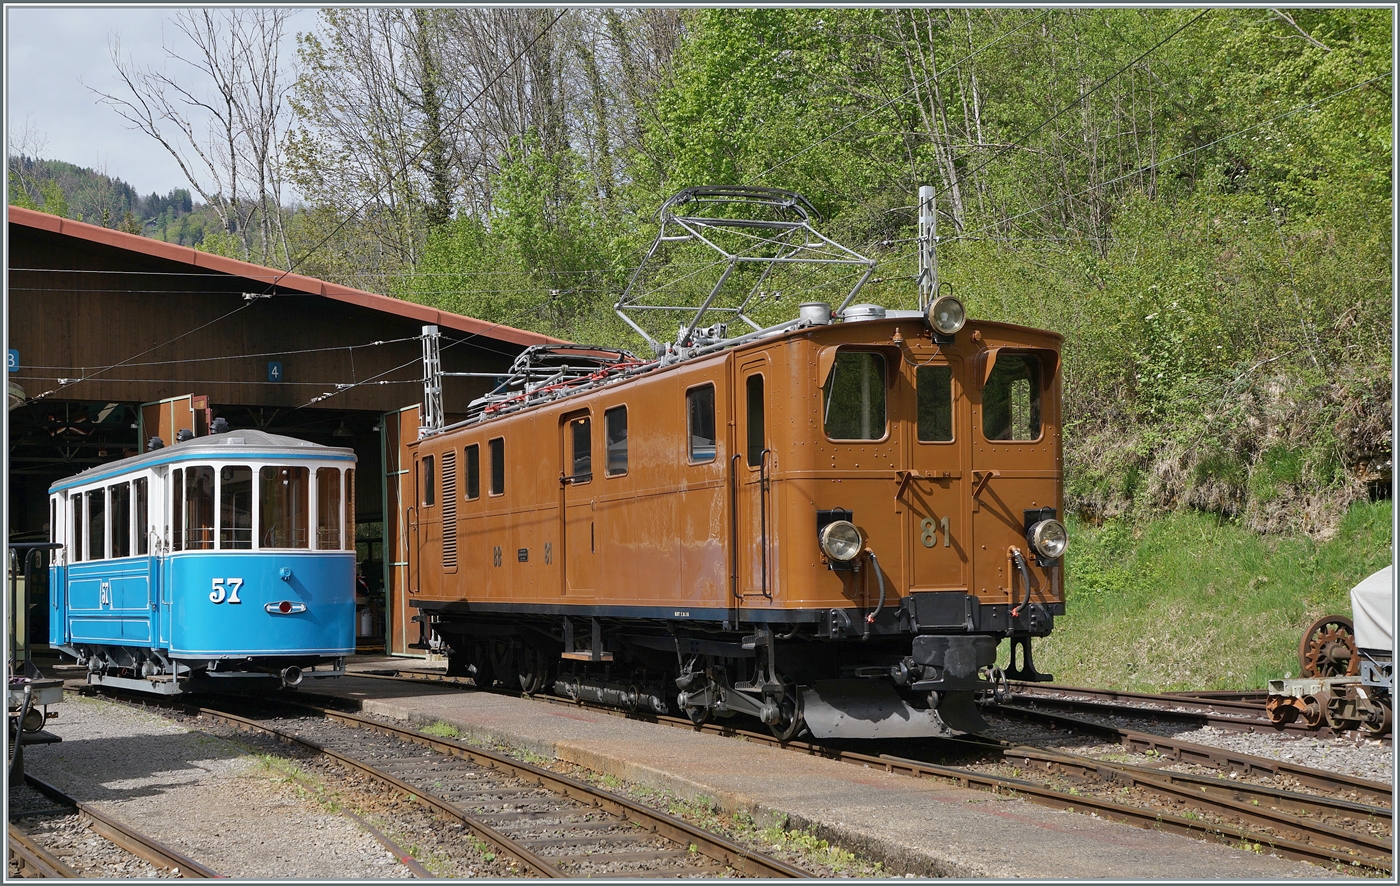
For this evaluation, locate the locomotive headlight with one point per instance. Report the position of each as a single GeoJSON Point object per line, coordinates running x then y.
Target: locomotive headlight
{"type": "Point", "coordinates": [840, 540]}
{"type": "Point", "coordinates": [946, 315]}
{"type": "Point", "coordinates": [1049, 539]}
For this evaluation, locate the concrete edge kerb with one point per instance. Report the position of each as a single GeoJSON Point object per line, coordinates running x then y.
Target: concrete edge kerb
{"type": "Point", "coordinates": [898, 859]}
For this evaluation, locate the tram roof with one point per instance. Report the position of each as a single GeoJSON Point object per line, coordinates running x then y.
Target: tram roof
{"type": "Point", "coordinates": [232, 445]}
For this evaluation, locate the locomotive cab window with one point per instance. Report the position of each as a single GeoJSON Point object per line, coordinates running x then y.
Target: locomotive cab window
{"type": "Point", "coordinates": [429, 490]}
{"type": "Point", "coordinates": [700, 423]}
{"type": "Point", "coordinates": [935, 403]}
{"type": "Point", "coordinates": [581, 449]}
{"type": "Point", "coordinates": [471, 456]}
{"type": "Point", "coordinates": [615, 427]}
{"type": "Point", "coordinates": [853, 397]}
{"type": "Point", "coordinates": [496, 449]}
{"type": "Point", "coordinates": [753, 386]}
{"type": "Point", "coordinates": [1011, 399]}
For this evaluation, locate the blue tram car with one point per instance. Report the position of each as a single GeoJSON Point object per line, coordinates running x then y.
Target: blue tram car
{"type": "Point", "coordinates": [215, 558]}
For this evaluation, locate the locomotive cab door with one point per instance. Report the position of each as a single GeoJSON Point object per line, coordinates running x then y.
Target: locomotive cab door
{"type": "Point", "coordinates": [579, 530]}
{"type": "Point", "coordinates": [751, 466]}
{"type": "Point", "coordinates": [931, 491]}
{"type": "Point", "coordinates": [425, 527]}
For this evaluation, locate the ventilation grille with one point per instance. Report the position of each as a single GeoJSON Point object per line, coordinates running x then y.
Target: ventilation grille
{"type": "Point", "coordinates": [449, 509]}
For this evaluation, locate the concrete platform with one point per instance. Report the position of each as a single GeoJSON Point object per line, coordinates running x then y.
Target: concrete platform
{"type": "Point", "coordinates": [914, 826]}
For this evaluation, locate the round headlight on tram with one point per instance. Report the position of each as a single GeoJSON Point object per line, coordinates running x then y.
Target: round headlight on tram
{"type": "Point", "coordinates": [840, 540]}
{"type": "Point", "coordinates": [1049, 539]}
{"type": "Point", "coordinates": [946, 315]}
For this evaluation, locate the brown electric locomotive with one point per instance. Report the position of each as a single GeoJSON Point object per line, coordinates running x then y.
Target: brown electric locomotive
{"type": "Point", "coordinates": [824, 524]}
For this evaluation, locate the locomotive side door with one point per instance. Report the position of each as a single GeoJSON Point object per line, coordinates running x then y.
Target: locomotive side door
{"type": "Point", "coordinates": [579, 532]}
{"type": "Point", "coordinates": [931, 491]}
{"type": "Point", "coordinates": [750, 467]}
{"type": "Point", "coordinates": [426, 527]}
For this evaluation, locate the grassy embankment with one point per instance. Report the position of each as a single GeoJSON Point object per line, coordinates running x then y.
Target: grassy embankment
{"type": "Point", "coordinates": [1187, 602]}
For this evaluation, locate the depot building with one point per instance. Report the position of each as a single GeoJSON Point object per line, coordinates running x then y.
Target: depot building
{"type": "Point", "coordinates": [114, 339]}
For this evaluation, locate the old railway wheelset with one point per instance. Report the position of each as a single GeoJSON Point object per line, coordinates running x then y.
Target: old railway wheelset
{"type": "Point", "coordinates": [828, 523]}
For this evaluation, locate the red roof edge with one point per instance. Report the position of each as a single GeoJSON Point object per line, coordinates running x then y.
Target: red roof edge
{"type": "Point", "coordinates": [261, 275]}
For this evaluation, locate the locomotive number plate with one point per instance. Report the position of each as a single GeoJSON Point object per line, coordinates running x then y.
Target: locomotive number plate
{"type": "Point", "coordinates": [226, 590]}
{"type": "Point", "coordinates": [929, 532]}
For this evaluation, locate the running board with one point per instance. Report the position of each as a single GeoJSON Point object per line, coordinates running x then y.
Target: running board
{"type": "Point", "coordinates": [872, 709]}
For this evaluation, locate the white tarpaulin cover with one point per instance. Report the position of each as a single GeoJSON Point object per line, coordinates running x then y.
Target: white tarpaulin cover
{"type": "Point", "coordinates": [1373, 610]}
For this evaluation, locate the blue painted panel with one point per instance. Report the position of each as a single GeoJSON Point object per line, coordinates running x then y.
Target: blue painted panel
{"type": "Point", "coordinates": [324, 582]}
{"type": "Point", "coordinates": [96, 629]}
{"type": "Point", "coordinates": [110, 601]}
{"type": "Point", "coordinates": [58, 613]}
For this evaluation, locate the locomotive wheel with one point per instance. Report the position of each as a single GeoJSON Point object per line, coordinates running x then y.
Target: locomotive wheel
{"type": "Point", "coordinates": [789, 719]}
{"type": "Point", "coordinates": [1328, 649]}
{"type": "Point", "coordinates": [533, 669]}
{"type": "Point", "coordinates": [478, 661]}
{"type": "Point", "coordinates": [502, 657]}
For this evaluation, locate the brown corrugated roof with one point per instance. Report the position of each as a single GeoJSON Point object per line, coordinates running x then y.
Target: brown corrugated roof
{"type": "Point", "coordinates": [263, 275]}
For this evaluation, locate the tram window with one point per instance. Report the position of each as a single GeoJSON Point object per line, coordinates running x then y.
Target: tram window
{"type": "Point", "coordinates": [472, 456]}
{"type": "Point", "coordinates": [854, 397]}
{"type": "Point", "coordinates": [935, 393]}
{"type": "Point", "coordinates": [53, 527]}
{"type": "Point", "coordinates": [1011, 399]}
{"type": "Point", "coordinates": [581, 450]}
{"type": "Point", "coordinates": [199, 508]}
{"type": "Point", "coordinates": [121, 520]}
{"type": "Point", "coordinates": [700, 421]}
{"type": "Point", "coordinates": [97, 524]}
{"type": "Point", "coordinates": [497, 450]}
{"type": "Point", "coordinates": [615, 426]}
{"type": "Point", "coordinates": [754, 388]}
{"type": "Point", "coordinates": [75, 500]}
{"type": "Point", "coordinates": [143, 535]}
{"type": "Point", "coordinates": [236, 508]}
{"type": "Point", "coordinates": [177, 510]}
{"type": "Point", "coordinates": [349, 509]}
{"type": "Point", "coordinates": [283, 498]}
{"type": "Point", "coordinates": [328, 509]}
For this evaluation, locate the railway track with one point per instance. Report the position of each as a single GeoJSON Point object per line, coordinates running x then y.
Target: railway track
{"type": "Point", "coordinates": [553, 825]}
{"type": "Point", "coordinates": [29, 850]}
{"type": "Point", "coordinates": [1229, 710]}
{"type": "Point", "coordinates": [1333, 819]}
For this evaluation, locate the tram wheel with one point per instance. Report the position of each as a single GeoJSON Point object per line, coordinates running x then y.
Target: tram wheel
{"type": "Point", "coordinates": [1328, 649]}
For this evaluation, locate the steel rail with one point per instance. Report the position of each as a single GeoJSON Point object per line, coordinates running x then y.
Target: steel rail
{"type": "Point", "coordinates": [1134, 815]}
{"type": "Point", "coordinates": [1202, 703]}
{"type": "Point", "coordinates": [119, 834]}
{"type": "Point", "coordinates": [1347, 847]}
{"type": "Point", "coordinates": [1220, 758]}
{"type": "Point", "coordinates": [711, 845]}
{"type": "Point", "coordinates": [31, 857]}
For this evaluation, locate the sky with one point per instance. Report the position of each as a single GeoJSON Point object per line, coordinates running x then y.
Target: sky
{"type": "Point", "coordinates": [52, 51]}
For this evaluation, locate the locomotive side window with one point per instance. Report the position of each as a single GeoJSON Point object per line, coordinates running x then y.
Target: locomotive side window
{"type": "Point", "coordinates": [472, 457]}
{"type": "Point", "coordinates": [581, 449]}
{"type": "Point", "coordinates": [935, 394]}
{"type": "Point", "coordinates": [328, 509]}
{"type": "Point", "coordinates": [283, 498]}
{"type": "Point", "coordinates": [497, 450]}
{"type": "Point", "coordinates": [1011, 399]}
{"type": "Point", "coordinates": [429, 491]}
{"type": "Point", "coordinates": [121, 520]}
{"type": "Point", "coordinates": [76, 501]}
{"type": "Point", "coordinates": [97, 524]}
{"type": "Point", "coordinates": [349, 509]}
{"type": "Point", "coordinates": [700, 419]}
{"type": "Point", "coordinates": [236, 508]}
{"type": "Point", "coordinates": [199, 508]}
{"type": "Point", "coordinates": [143, 535]}
{"type": "Point", "coordinates": [854, 397]}
{"type": "Point", "coordinates": [615, 427]}
{"type": "Point", "coordinates": [177, 510]}
{"type": "Point", "coordinates": [754, 388]}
